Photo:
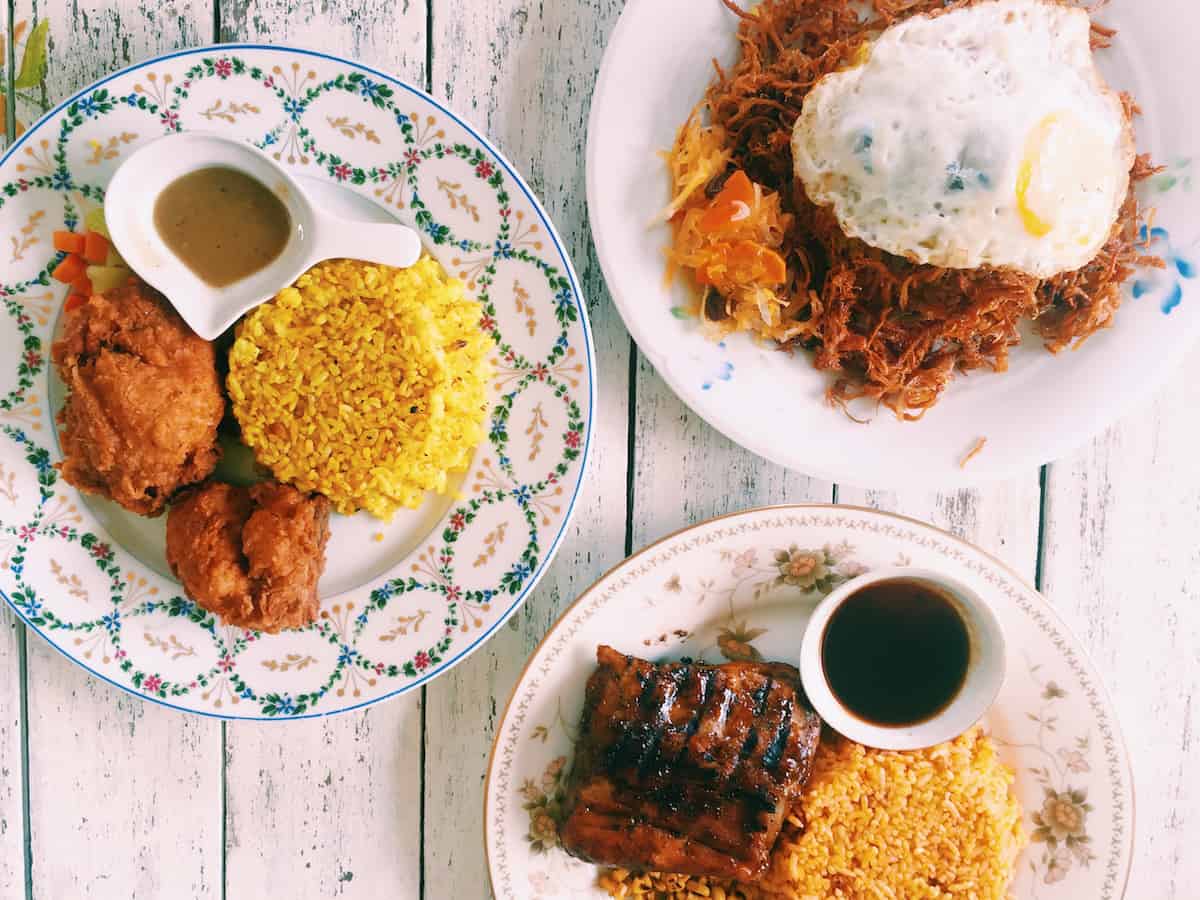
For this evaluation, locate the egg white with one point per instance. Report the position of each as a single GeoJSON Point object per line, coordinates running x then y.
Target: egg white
{"type": "Point", "coordinates": [982, 136]}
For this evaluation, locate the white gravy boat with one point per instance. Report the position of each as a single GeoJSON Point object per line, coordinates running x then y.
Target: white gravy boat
{"type": "Point", "coordinates": [316, 235]}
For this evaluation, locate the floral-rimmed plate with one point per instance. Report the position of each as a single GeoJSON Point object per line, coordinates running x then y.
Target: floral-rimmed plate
{"type": "Point", "coordinates": [742, 587]}
{"type": "Point", "coordinates": [774, 403]}
{"type": "Point", "coordinates": [401, 601]}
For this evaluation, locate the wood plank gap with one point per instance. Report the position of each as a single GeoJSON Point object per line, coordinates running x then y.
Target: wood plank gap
{"type": "Point", "coordinates": [216, 39]}
{"type": "Point", "coordinates": [428, 90]}
{"type": "Point", "coordinates": [424, 745]}
{"type": "Point", "coordinates": [631, 444]}
{"type": "Point", "coordinates": [23, 706]}
{"type": "Point", "coordinates": [1043, 477]}
{"type": "Point", "coordinates": [224, 803]}
{"type": "Point", "coordinates": [10, 92]}
{"type": "Point", "coordinates": [835, 494]}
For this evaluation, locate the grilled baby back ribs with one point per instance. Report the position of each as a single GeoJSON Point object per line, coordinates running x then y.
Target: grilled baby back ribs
{"type": "Point", "coordinates": [685, 767]}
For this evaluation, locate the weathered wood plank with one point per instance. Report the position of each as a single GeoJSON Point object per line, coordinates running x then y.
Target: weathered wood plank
{"type": "Point", "coordinates": [686, 472]}
{"type": "Point", "coordinates": [387, 34]}
{"type": "Point", "coordinates": [1001, 518]}
{"type": "Point", "coordinates": [124, 796]}
{"type": "Point", "coordinates": [90, 38]}
{"type": "Point", "coordinates": [328, 808]}
{"type": "Point", "coordinates": [523, 72]}
{"type": "Point", "coordinates": [12, 818]}
{"type": "Point", "coordinates": [1122, 562]}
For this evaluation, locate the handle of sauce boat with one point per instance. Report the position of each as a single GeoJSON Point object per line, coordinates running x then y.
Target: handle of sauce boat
{"type": "Point", "coordinates": [384, 243]}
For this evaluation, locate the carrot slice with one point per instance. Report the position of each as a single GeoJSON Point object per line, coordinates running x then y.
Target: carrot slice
{"type": "Point", "coordinates": [72, 266]}
{"type": "Point", "coordinates": [96, 248]}
{"type": "Point", "coordinates": [82, 285]}
{"type": "Point", "coordinates": [735, 202]}
{"type": "Point", "coordinates": [737, 187]}
{"type": "Point", "coordinates": [742, 263]}
{"type": "Point", "coordinates": [757, 263]}
{"type": "Point", "coordinates": [74, 302]}
{"type": "Point", "coordinates": [68, 242]}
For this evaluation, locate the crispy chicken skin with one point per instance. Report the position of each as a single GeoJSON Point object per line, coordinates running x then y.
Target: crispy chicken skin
{"type": "Point", "coordinates": [144, 400]}
{"type": "Point", "coordinates": [686, 767]}
{"type": "Point", "coordinates": [252, 556]}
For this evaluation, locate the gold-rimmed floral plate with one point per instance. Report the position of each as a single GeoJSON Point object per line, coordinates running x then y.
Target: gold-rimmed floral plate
{"type": "Point", "coordinates": [742, 587]}
{"type": "Point", "coordinates": [402, 601]}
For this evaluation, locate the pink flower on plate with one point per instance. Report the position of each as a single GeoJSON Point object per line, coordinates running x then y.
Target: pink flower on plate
{"type": "Point", "coordinates": [152, 684]}
{"type": "Point", "coordinates": [25, 533]}
{"type": "Point", "coordinates": [540, 372]}
{"type": "Point", "coordinates": [412, 158]}
{"type": "Point", "coordinates": [226, 663]}
{"type": "Point", "coordinates": [484, 169]}
{"type": "Point", "coordinates": [1074, 760]}
{"type": "Point", "coordinates": [379, 668]}
{"type": "Point", "coordinates": [458, 522]}
{"type": "Point", "coordinates": [223, 68]}
{"type": "Point", "coordinates": [1058, 867]}
{"type": "Point", "coordinates": [744, 562]}
{"type": "Point", "coordinates": [453, 592]}
{"type": "Point", "coordinates": [33, 359]}
{"type": "Point", "coordinates": [101, 550]}
{"type": "Point", "coordinates": [505, 212]}
{"type": "Point", "coordinates": [120, 654]}
{"type": "Point", "coordinates": [421, 661]}
{"type": "Point", "coordinates": [487, 323]}
{"type": "Point", "coordinates": [170, 119]}
{"type": "Point", "coordinates": [573, 439]}
{"type": "Point", "coordinates": [342, 172]}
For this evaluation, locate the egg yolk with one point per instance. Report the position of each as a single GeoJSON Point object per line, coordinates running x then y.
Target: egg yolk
{"type": "Point", "coordinates": [1057, 172]}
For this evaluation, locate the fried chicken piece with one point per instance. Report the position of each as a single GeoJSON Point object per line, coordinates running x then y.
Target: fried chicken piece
{"type": "Point", "coordinates": [252, 556]}
{"type": "Point", "coordinates": [144, 401]}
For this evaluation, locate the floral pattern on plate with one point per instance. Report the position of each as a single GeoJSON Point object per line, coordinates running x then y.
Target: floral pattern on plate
{"type": "Point", "coordinates": [741, 588]}
{"type": "Point", "coordinates": [427, 598]}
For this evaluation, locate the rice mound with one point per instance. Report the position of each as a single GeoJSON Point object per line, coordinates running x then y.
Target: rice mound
{"type": "Point", "coordinates": [920, 825]}
{"type": "Point", "coordinates": [363, 383]}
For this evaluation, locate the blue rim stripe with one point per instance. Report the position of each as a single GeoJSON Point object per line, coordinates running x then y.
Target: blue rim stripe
{"type": "Point", "coordinates": [547, 558]}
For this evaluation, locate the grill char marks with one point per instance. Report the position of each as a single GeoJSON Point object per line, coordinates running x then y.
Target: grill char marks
{"type": "Point", "coordinates": [687, 768]}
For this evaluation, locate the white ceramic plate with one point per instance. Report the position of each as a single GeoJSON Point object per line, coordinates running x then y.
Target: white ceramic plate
{"type": "Point", "coordinates": [744, 585]}
{"type": "Point", "coordinates": [402, 601]}
{"type": "Point", "coordinates": [656, 68]}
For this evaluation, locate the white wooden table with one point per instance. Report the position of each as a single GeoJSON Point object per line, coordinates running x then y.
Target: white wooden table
{"type": "Point", "coordinates": [103, 796]}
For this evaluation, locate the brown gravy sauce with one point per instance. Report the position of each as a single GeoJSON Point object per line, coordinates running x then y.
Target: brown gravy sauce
{"type": "Point", "coordinates": [223, 224]}
{"type": "Point", "coordinates": [896, 652]}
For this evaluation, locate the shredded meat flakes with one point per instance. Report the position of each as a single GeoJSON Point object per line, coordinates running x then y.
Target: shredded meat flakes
{"type": "Point", "coordinates": [890, 330]}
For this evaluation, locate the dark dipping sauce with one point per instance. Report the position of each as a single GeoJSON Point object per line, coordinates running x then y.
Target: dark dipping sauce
{"type": "Point", "coordinates": [222, 223]}
{"type": "Point", "coordinates": [896, 652]}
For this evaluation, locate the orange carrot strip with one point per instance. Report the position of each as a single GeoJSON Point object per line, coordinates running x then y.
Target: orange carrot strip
{"type": "Point", "coordinates": [82, 285]}
{"type": "Point", "coordinates": [96, 248]}
{"type": "Point", "coordinates": [72, 266]}
{"type": "Point", "coordinates": [68, 242]}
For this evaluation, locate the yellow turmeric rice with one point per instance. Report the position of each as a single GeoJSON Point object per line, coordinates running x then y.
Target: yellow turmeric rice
{"type": "Point", "coordinates": [923, 825]}
{"type": "Point", "coordinates": [364, 383]}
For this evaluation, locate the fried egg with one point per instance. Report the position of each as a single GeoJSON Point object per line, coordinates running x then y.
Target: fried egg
{"type": "Point", "coordinates": [983, 136]}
